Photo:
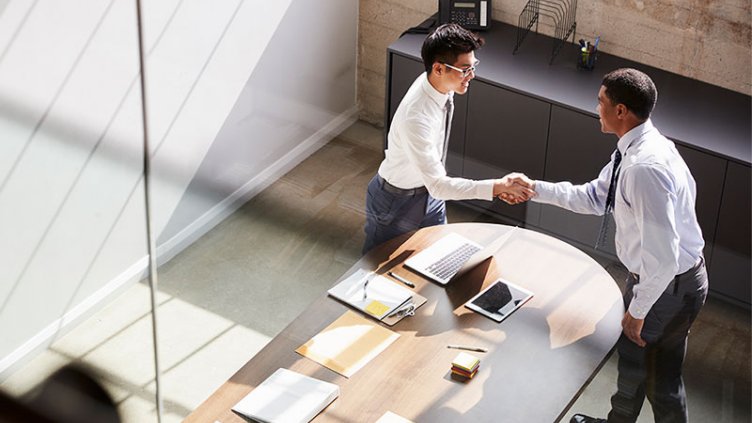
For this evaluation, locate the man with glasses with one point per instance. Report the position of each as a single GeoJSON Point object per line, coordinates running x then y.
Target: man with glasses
{"type": "Point", "coordinates": [411, 185]}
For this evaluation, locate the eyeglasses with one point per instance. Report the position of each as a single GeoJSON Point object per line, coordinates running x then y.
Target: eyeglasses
{"type": "Point", "coordinates": [465, 72]}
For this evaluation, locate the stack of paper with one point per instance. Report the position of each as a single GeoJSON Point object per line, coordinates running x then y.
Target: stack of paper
{"type": "Point", "coordinates": [371, 293]}
{"type": "Point", "coordinates": [287, 396]}
{"type": "Point", "coordinates": [465, 365]}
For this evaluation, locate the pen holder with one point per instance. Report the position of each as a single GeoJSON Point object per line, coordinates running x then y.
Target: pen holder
{"type": "Point", "coordinates": [586, 58]}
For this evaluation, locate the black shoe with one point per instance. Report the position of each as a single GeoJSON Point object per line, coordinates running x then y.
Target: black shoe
{"type": "Point", "coordinates": [581, 418]}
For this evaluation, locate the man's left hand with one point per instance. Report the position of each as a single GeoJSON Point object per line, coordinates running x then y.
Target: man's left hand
{"type": "Point", "coordinates": [633, 328]}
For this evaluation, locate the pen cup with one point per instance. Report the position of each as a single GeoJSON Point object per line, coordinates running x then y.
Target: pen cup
{"type": "Point", "coordinates": [587, 55]}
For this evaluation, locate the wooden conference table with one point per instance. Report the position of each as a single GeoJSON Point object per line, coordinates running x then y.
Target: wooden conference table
{"type": "Point", "coordinates": [538, 360]}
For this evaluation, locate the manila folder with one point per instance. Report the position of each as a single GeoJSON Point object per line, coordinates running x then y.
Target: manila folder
{"type": "Point", "coordinates": [348, 343]}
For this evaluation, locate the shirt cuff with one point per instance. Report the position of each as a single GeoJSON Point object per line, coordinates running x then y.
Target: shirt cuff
{"type": "Point", "coordinates": [544, 192]}
{"type": "Point", "coordinates": [485, 189]}
{"type": "Point", "coordinates": [637, 311]}
{"type": "Point", "coordinates": [644, 296]}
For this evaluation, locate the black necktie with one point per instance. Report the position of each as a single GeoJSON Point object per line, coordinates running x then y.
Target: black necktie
{"type": "Point", "coordinates": [449, 111]}
{"type": "Point", "coordinates": [609, 200]}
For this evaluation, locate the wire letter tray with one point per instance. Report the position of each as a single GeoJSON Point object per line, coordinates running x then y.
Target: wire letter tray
{"type": "Point", "coordinates": [562, 12]}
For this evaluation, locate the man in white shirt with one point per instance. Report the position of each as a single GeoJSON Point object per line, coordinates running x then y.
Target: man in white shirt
{"type": "Point", "coordinates": [652, 195]}
{"type": "Point", "coordinates": [409, 190]}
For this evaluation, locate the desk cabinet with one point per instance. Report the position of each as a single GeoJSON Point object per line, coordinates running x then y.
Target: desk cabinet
{"type": "Point", "coordinates": [522, 114]}
{"type": "Point", "coordinates": [404, 71]}
{"type": "Point", "coordinates": [709, 172]}
{"type": "Point", "coordinates": [456, 154]}
{"type": "Point", "coordinates": [505, 132]}
{"type": "Point", "coordinates": [577, 151]}
{"type": "Point", "coordinates": [729, 273]}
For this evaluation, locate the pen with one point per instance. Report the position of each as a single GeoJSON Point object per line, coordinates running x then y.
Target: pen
{"type": "Point", "coordinates": [462, 347]}
{"type": "Point", "coordinates": [365, 285]}
{"type": "Point", "coordinates": [401, 279]}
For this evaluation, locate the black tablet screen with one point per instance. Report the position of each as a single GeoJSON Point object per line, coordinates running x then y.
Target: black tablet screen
{"type": "Point", "coordinates": [495, 298]}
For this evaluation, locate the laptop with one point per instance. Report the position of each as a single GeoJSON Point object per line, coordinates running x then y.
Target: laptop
{"type": "Point", "coordinates": [453, 256]}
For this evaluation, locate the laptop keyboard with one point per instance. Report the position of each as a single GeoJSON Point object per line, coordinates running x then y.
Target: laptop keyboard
{"type": "Point", "coordinates": [448, 265]}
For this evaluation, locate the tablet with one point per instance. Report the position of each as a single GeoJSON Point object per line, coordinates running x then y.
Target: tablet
{"type": "Point", "coordinates": [499, 300]}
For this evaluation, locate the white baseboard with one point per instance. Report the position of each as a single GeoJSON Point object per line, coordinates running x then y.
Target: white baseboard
{"type": "Point", "coordinates": [169, 249]}
{"type": "Point", "coordinates": [173, 246]}
{"type": "Point", "coordinates": [44, 338]}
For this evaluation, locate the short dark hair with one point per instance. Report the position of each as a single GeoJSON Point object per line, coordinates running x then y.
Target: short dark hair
{"type": "Point", "coordinates": [447, 42]}
{"type": "Point", "coordinates": [633, 89]}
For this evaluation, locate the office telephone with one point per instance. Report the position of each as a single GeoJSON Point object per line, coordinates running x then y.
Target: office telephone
{"type": "Point", "coordinates": [471, 14]}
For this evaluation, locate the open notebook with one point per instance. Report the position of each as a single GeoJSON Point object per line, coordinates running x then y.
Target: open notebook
{"type": "Point", "coordinates": [379, 298]}
{"type": "Point", "coordinates": [288, 397]}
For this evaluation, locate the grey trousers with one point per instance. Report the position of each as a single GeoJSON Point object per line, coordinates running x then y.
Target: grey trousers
{"type": "Point", "coordinates": [389, 215]}
{"type": "Point", "coordinates": [655, 371]}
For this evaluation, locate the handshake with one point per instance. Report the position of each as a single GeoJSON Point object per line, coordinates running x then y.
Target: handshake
{"type": "Point", "coordinates": [514, 188]}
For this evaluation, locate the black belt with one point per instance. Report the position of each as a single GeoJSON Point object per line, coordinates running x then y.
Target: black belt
{"type": "Point", "coordinates": [386, 186]}
{"type": "Point", "coordinates": [677, 278]}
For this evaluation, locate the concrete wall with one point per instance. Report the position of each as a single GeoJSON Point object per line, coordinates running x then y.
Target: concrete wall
{"type": "Point", "coordinates": [238, 93]}
{"type": "Point", "coordinates": [706, 40]}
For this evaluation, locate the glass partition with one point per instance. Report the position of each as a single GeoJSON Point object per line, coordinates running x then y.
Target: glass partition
{"type": "Point", "coordinates": [73, 235]}
{"type": "Point", "coordinates": [245, 103]}
{"type": "Point", "coordinates": [229, 113]}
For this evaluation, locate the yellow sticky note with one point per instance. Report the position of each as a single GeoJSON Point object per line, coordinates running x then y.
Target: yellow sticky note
{"type": "Point", "coordinates": [376, 308]}
{"type": "Point", "coordinates": [465, 361]}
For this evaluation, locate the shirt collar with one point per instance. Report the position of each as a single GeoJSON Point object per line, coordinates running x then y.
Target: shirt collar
{"type": "Point", "coordinates": [634, 134]}
{"type": "Point", "coordinates": [434, 94]}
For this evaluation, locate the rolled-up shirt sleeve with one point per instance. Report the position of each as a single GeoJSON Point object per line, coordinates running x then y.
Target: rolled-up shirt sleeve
{"type": "Point", "coordinates": [653, 203]}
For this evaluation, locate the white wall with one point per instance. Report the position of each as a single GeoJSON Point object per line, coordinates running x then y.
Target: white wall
{"type": "Point", "coordinates": [301, 88]}
{"type": "Point", "coordinates": [238, 92]}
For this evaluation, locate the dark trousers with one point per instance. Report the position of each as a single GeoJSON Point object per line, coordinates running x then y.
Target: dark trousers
{"type": "Point", "coordinates": [390, 214]}
{"type": "Point", "coordinates": [655, 371]}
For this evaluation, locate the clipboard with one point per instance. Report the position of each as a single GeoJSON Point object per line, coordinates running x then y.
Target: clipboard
{"type": "Point", "coordinates": [378, 298]}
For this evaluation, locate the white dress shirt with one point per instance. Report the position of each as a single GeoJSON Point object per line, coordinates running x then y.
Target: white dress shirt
{"type": "Point", "coordinates": [657, 234]}
{"type": "Point", "coordinates": [416, 144]}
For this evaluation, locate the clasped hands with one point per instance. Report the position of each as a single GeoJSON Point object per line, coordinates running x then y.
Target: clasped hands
{"type": "Point", "coordinates": [514, 188]}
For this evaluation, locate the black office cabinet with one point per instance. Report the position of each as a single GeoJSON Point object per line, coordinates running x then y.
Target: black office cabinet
{"type": "Point", "coordinates": [708, 172]}
{"type": "Point", "coordinates": [504, 123]}
{"type": "Point", "coordinates": [505, 132]}
{"type": "Point", "coordinates": [403, 74]}
{"type": "Point", "coordinates": [577, 151]}
{"type": "Point", "coordinates": [730, 270]}
{"type": "Point", "coordinates": [454, 162]}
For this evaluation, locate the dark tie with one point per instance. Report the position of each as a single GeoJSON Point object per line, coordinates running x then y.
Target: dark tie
{"type": "Point", "coordinates": [609, 200]}
{"type": "Point", "coordinates": [449, 111]}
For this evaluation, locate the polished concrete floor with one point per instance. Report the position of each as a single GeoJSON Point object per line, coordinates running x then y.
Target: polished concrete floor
{"type": "Point", "coordinates": [223, 298]}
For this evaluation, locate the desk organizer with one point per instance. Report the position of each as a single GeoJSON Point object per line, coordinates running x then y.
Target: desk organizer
{"type": "Point", "coordinates": [587, 55]}
{"type": "Point", "coordinates": [562, 12]}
